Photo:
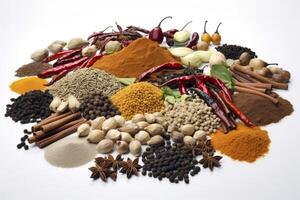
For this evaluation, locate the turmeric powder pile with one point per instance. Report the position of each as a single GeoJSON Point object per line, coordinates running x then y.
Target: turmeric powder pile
{"type": "Point", "coordinates": [243, 144]}
{"type": "Point", "coordinates": [27, 84]}
{"type": "Point", "coordinates": [138, 98]}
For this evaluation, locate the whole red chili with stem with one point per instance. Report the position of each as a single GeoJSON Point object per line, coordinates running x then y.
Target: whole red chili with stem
{"type": "Point", "coordinates": [56, 56]}
{"type": "Point", "coordinates": [194, 40]}
{"type": "Point", "coordinates": [157, 34]}
{"type": "Point", "coordinates": [98, 33]}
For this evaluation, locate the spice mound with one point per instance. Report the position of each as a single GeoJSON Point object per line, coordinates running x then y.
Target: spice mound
{"type": "Point", "coordinates": [29, 107]}
{"type": "Point", "coordinates": [70, 152]}
{"type": "Point", "coordinates": [243, 144]}
{"type": "Point", "coordinates": [138, 98]}
{"type": "Point", "coordinates": [234, 51]}
{"type": "Point", "coordinates": [28, 84]}
{"type": "Point", "coordinates": [141, 55]}
{"type": "Point", "coordinates": [260, 110]}
{"type": "Point", "coordinates": [84, 82]}
{"type": "Point", "coordinates": [32, 69]}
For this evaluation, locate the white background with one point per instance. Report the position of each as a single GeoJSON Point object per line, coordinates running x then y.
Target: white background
{"type": "Point", "coordinates": [271, 28]}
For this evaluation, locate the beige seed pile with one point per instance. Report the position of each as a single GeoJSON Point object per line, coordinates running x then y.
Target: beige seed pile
{"type": "Point", "coordinates": [194, 112]}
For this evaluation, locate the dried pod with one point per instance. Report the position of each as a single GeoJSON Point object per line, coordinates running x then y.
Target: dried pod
{"type": "Point", "coordinates": [150, 118]}
{"type": "Point", "coordinates": [142, 136]}
{"type": "Point", "coordinates": [155, 129]}
{"type": "Point", "coordinates": [83, 130]}
{"type": "Point", "coordinates": [60, 42]}
{"type": "Point", "coordinates": [62, 107]}
{"type": "Point", "coordinates": [105, 146]}
{"type": "Point", "coordinates": [54, 104]}
{"type": "Point", "coordinates": [77, 43]}
{"type": "Point", "coordinates": [73, 103]}
{"type": "Point", "coordinates": [142, 125]}
{"type": "Point", "coordinates": [135, 147]}
{"type": "Point", "coordinates": [120, 120]}
{"type": "Point", "coordinates": [189, 140]}
{"type": "Point", "coordinates": [126, 137]}
{"type": "Point", "coordinates": [89, 51]}
{"type": "Point", "coordinates": [108, 124]}
{"type": "Point", "coordinates": [187, 129]}
{"type": "Point", "coordinates": [55, 48]}
{"type": "Point", "coordinates": [122, 147]}
{"type": "Point", "coordinates": [202, 45]}
{"type": "Point", "coordinates": [97, 123]}
{"type": "Point", "coordinates": [40, 55]}
{"type": "Point", "coordinates": [138, 118]}
{"type": "Point", "coordinates": [199, 134]}
{"type": "Point", "coordinates": [112, 47]}
{"type": "Point", "coordinates": [177, 136]}
{"type": "Point", "coordinates": [131, 128]}
{"type": "Point", "coordinates": [95, 136]}
{"type": "Point", "coordinates": [155, 140]}
{"type": "Point", "coordinates": [162, 121]}
{"type": "Point", "coordinates": [113, 134]}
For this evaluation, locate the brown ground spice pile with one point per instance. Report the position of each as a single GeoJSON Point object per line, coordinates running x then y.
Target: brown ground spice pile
{"type": "Point", "coordinates": [260, 110]}
{"type": "Point", "coordinates": [32, 69]}
{"type": "Point", "coordinates": [141, 55]}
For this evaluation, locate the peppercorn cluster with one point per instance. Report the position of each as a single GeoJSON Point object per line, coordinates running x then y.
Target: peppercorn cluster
{"type": "Point", "coordinates": [231, 51]}
{"type": "Point", "coordinates": [29, 107]}
{"type": "Point", "coordinates": [96, 105]}
{"type": "Point", "coordinates": [169, 161]}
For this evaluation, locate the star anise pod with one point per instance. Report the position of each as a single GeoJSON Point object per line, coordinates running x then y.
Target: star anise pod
{"type": "Point", "coordinates": [195, 150]}
{"type": "Point", "coordinates": [114, 163]}
{"type": "Point", "coordinates": [205, 145]}
{"type": "Point", "coordinates": [100, 170]}
{"type": "Point", "coordinates": [130, 167]}
{"type": "Point", "coordinates": [210, 161]}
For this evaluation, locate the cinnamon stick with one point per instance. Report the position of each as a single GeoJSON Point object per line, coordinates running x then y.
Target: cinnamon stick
{"type": "Point", "coordinates": [263, 79]}
{"type": "Point", "coordinates": [39, 135]}
{"type": "Point", "coordinates": [45, 142]}
{"type": "Point", "coordinates": [250, 87]}
{"type": "Point", "coordinates": [245, 76]}
{"type": "Point", "coordinates": [53, 125]}
{"type": "Point", "coordinates": [259, 85]}
{"type": "Point", "coordinates": [239, 78]}
{"type": "Point", "coordinates": [50, 119]}
{"type": "Point", "coordinates": [247, 90]}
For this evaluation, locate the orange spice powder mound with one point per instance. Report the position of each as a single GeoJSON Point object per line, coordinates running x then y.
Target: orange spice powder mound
{"type": "Point", "coordinates": [243, 144]}
{"type": "Point", "coordinates": [141, 55]}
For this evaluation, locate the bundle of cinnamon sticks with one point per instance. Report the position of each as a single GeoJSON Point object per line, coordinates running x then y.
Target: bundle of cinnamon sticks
{"type": "Point", "coordinates": [55, 127]}
{"type": "Point", "coordinates": [250, 82]}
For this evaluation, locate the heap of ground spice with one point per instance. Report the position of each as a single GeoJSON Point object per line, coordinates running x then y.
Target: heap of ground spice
{"type": "Point", "coordinates": [260, 110]}
{"type": "Point", "coordinates": [138, 98]}
{"type": "Point", "coordinates": [27, 84]}
{"type": "Point", "coordinates": [243, 144]}
{"type": "Point", "coordinates": [141, 55]}
{"type": "Point", "coordinates": [32, 69]}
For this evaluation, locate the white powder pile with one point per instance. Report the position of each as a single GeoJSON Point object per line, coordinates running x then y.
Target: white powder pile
{"type": "Point", "coordinates": [70, 152]}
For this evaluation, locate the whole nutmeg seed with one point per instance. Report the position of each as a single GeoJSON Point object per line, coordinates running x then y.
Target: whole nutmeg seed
{"type": "Point", "coordinates": [113, 134]}
{"type": "Point", "coordinates": [155, 129]}
{"type": "Point", "coordinates": [135, 147]}
{"type": "Point", "coordinates": [150, 118]}
{"type": "Point", "coordinates": [199, 134]}
{"type": "Point", "coordinates": [122, 147]}
{"type": "Point", "coordinates": [83, 130]}
{"type": "Point", "coordinates": [40, 55]}
{"type": "Point", "coordinates": [155, 140]}
{"type": "Point", "coordinates": [89, 51]}
{"type": "Point", "coordinates": [138, 118]}
{"type": "Point", "coordinates": [177, 136]}
{"type": "Point", "coordinates": [131, 128]}
{"type": "Point", "coordinates": [142, 136]}
{"type": "Point", "coordinates": [95, 136]}
{"type": "Point", "coordinates": [189, 140]}
{"type": "Point", "coordinates": [142, 125]}
{"type": "Point", "coordinates": [126, 137]}
{"type": "Point", "coordinates": [187, 129]}
{"type": "Point", "coordinates": [55, 48]}
{"type": "Point", "coordinates": [105, 146]}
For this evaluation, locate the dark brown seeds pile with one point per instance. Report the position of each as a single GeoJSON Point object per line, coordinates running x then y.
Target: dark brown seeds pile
{"type": "Point", "coordinates": [97, 105]}
{"type": "Point", "coordinates": [29, 107]}
{"type": "Point", "coordinates": [32, 69]}
{"type": "Point", "coordinates": [177, 162]}
{"type": "Point", "coordinates": [231, 51]}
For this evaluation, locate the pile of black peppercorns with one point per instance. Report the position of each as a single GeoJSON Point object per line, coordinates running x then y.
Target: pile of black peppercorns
{"type": "Point", "coordinates": [231, 51]}
{"type": "Point", "coordinates": [170, 161]}
{"type": "Point", "coordinates": [30, 107]}
{"type": "Point", "coordinates": [97, 105]}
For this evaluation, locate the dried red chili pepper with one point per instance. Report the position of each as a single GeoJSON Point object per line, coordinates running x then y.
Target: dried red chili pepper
{"type": "Point", "coordinates": [169, 65]}
{"type": "Point", "coordinates": [67, 60]}
{"type": "Point", "coordinates": [92, 60]}
{"type": "Point", "coordinates": [98, 33]}
{"type": "Point", "coordinates": [56, 56]}
{"type": "Point", "coordinates": [201, 85]}
{"type": "Point", "coordinates": [135, 28]}
{"type": "Point", "coordinates": [70, 54]}
{"type": "Point", "coordinates": [234, 109]}
{"type": "Point", "coordinates": [57, 77]}
{"type": "Point", "coordinates": [194, 40]}
{"type": "Point", "coordinates": [58, 69]}
{"type": "Point", "coordinates": [182, 88]}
